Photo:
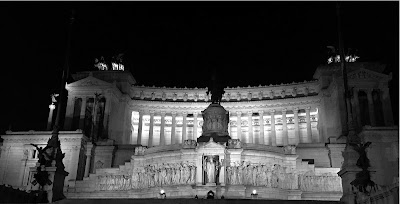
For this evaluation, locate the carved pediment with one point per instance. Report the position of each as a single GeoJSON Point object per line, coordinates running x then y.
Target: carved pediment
{"type": "Point", "coordinates": [365, 74]}
{"type": "Point", "coordinates": [89, 81]}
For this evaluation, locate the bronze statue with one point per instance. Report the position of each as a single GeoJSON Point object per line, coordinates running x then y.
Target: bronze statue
{"type": "Point", "coordinates": [363, 178]}
{"type": "Point", "coordinates": [44, 157]}
{"type": "Point", "coordinates": [215, 89]}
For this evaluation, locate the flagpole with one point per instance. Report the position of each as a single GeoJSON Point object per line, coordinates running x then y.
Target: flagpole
{"type": "Point", "coordinates": [347, 95]}
{"type": "Point", "coordinates": [64, 78]}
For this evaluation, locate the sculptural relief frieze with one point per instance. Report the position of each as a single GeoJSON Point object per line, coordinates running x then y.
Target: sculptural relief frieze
{"type": "Point", "coordinates": [149, 176]}
{"type": "Point", "coordinates": [277, 176]}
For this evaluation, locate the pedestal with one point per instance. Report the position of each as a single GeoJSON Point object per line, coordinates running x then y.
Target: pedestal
{"type": "Point", "coordinates": [348, 174]}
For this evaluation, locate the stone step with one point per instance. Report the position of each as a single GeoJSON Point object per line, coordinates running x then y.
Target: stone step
{"type": "Point", "coordinates": [192, 201]}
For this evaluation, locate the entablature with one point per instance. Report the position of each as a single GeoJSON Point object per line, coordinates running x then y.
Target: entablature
{"type": "Point", "coordinates": [244, 106]}
{"type": "Point", "coordinates": [271, 92]}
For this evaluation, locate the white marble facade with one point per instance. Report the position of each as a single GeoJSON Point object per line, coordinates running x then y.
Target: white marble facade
{"type": "Point", "coordinates": [287, 132]}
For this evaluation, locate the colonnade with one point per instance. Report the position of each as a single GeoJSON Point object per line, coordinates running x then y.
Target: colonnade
{"type": "Point", "coordinates": [72, 110]}
{"type": "Point", "coordinates": [238, 120]}
{"type": "Point", "coordinates": [384, 98]}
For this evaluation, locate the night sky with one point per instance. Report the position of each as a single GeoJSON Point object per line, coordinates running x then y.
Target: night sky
{"type": "Point", "coordinates": [178, 43]}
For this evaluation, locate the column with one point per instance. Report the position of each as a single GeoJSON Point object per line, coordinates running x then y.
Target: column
{"type": "Point", "coordinates": [173, 127]}
{"type": "Point", "coordinates": [82, 114]}
{"type": "Point", "coordinates": [195, 126]}
{"type": "Point", "coordinates": [89, 147]}
{"type": "Point", "coordinates": [140, 128]}
{"type": "Point", "coordinates": [50, 119]}
{"type": "Point", "coordinates": [230, 125]}
{"type": "Point", "coordinates": [184, 115]}
{"type": "Point", "coordinates": [261, 121]}
{"type": "Point", "coordinates": [69, 113]}
{"type": "Point", "coordinates": [106, 115]}
{"type": "Point", "coordinates": [309, 138]}
{"type": "Point", "coordinates": [151, 129]}
{"type": "Point", "coordinates": [296, 125]}
{"type": "Point", "coordinates": [284, 128]}
{"type": "Point", "coordinates": [128, 126]}
{"type": "Point", "coordinates": [250, 120]}
{"type": "Point", "coordinates": [387, 107]}
{"type": "Point", "coordinates": [239, 125]}
{"type": "Point", "coordinates": [273, 133]}
{"type": "Point", "coordinates": [371, 107]}
{"type": "Point", "coordinates": [356, 112]}
{"type": "Point", "coordinates": [162, 136]}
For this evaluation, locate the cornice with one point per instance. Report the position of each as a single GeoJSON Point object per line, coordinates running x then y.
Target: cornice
{"type": "Point", "coordinates": [165, 106]}
{"type": "Point", "coordinates": [272, 92]}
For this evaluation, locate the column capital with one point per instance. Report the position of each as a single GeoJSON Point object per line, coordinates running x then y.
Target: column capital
{"type": "Point", "coordinates": [250, 113]}
{"type": "Point", "coordinates": [260, 112]}
{"type": "Point", "coordinates": [284, 110]}
{"type": "Point", "coordinates": [272, 111]}
{"type": "Point", "coordinates": [238, 113]}
{"type": "Point", "coordinates": [162, 114]}
{"type": "Point", "coordinates": [52, 106]}
{"type": "Point", "coordinates": [195, 114]}
{"type": "Point", "coordinates": [151, 113]}
{"type": "Point", "coordinates": [308, 108]}
{"type": "Point", "coordinates": [173, 113]}
{"type": "Point", "coordinates": [295, 108]}
{"type": "Point", "coordinates": [184, 114]}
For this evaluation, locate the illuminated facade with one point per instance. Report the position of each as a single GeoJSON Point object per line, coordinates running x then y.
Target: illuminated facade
{"type": "Point", "coordinates": [295, 126]}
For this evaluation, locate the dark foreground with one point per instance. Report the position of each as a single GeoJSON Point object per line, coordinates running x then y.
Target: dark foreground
{"type": "Point", "coordinates": [190, 201]}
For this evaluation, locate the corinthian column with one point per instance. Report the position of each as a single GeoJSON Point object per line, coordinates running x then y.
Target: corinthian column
{"type": "Point", "coordinates": [194, 125]}
{"type": "Point", "coordinates": [69, 113]}
{"type": "Point", "coordinates": [173, 128]}
{"type": "Point", "coordinates": [261, 121]}
{"type": "Point", "coordinates": [140, 128]}
{"type": "Point", "coordinates": [50, 118]}
{"type": "Point", "coordinates": [284, 128]}
{"type": "Point", "coordinates": [387, 107]}
{"type": "Point", "coordinates": [357, 106]}
{"type": "Point", "coordinates": [371, 107]}
{"type": "Point", "coordinates": [162, 136]}
{"type": "Point", "coordinates": [82, 114]}
{"type": "Point", "coordinates": [184, 137]}
{"type": "Point", "coordinates": [296, 125]}
{"type": "Point", "coordinates": [309, 137]}
{"type": "Point", "coordinates": [239, 125]}
{"type": "Point", "coordinates": [150, 144]}
{"type": "Point", "coordinates": [273, 133]}
{"type": "Point", "coordinates": [107, 111]}
{"type": "Point", "coordinates": [250, 120]}
{"type": "Point", "coordinates": [89, 147]}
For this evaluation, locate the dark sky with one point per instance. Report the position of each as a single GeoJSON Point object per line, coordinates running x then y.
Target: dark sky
{"type": "Point", "coordinates": [177, 43]}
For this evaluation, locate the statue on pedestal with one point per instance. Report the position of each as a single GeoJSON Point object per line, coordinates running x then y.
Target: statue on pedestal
{"type": "Point", "coordinates": [210, 167]}
{"type": "Point", "coordinates": [215, 89]}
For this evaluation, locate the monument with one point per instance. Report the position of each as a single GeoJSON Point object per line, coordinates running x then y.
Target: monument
{"type": "Point", "coordinates": [215, 117]}
{"type": "Point", "coordinates": [280, 141]}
